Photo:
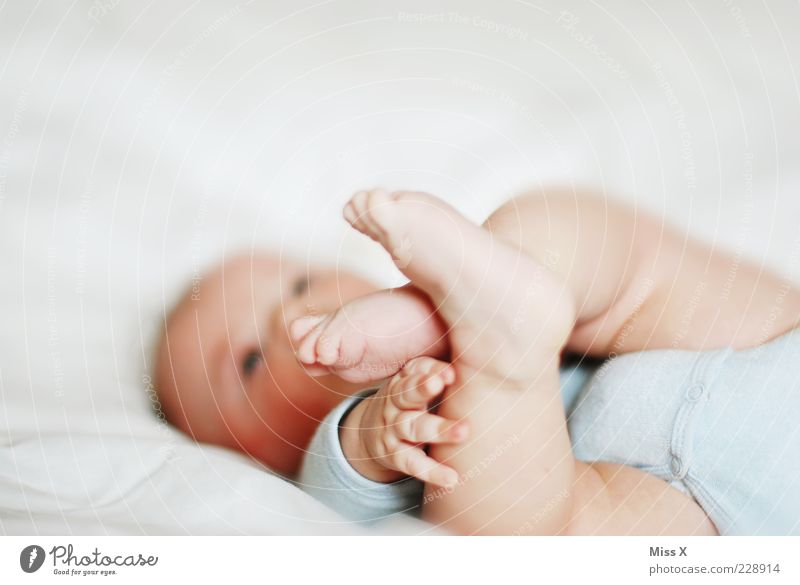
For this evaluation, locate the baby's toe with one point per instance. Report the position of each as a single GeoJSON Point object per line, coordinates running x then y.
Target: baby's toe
{"type": "Point", "coordinates": [367, 211]}
{"type": "Point", "coordinates": [350, 213]}
{"type": "Point", "coordinates": [327, 349]}
{"type": "Point", "coordinates": [301, 327]}
{"type": "Point", "coordinates": [355, 211]}
{"type": "Point", "coordinates": [306, 350]}
{"type": "Point", "coordinates": [380, 211]}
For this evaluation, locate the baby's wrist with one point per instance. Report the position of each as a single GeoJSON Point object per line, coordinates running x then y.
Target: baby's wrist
{"type": "Point", "coordinates": [357, 455]}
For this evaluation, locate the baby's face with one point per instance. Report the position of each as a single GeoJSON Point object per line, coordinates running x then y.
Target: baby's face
{"type": "Point", "coordinates": [226, 370]}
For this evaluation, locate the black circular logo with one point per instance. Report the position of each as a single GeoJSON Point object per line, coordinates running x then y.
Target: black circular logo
{"type": "Point", "coordinates": [31, 558]}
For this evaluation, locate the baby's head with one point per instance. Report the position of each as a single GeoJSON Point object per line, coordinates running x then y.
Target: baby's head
{"type": "Point", "coordinates": [225, 369]}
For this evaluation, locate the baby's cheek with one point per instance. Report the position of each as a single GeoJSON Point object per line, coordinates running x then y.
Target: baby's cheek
{"type": "Point", "coordinates": [293, 401]}
{"type": "Point", "coordinates": [276, 431]}
{"type": "Point", "coordinates": [280, 455]}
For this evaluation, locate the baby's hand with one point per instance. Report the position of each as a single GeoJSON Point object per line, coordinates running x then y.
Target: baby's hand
{"type": "Point", "coordinates": [384, 436]}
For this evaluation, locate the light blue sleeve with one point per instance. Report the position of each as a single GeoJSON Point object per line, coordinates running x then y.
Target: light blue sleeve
{"type": "Point", "coordinates": [327, 476]}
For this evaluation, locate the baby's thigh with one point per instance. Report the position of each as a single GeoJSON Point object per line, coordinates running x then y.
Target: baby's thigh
{"type": "Point", "coordinates": [615, 499]}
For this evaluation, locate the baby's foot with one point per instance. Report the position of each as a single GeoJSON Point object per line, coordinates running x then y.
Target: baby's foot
{"type": "Point", "coordinates": [372, 337]}
{"type": "Point", "coordinates": [506, 313]}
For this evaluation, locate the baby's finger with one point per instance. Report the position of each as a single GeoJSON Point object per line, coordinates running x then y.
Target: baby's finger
{"type": "Point", "coordinates": [415, 392]}
{"type": "Point", "coordinates": [423, 427]}
{"type": "Point", "coordinates": [426, 365]}
{"type": "Point", "coordinates": [416, 463]}
{"type": "Point", "coordinates": [406, 391]}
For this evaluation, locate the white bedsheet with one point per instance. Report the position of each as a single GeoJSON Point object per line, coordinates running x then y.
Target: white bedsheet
{"type": "Point", "coordinates": [140, 141]}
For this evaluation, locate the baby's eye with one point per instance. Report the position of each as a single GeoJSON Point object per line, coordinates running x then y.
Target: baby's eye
{"type": "Point", "coordinates": [300, 286]}
{"type": "Point", "coordinates": [251, 361]}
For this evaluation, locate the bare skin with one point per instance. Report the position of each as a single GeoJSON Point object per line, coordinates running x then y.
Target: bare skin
{"type": "Point", "coordinates": [646, 286]}
{"type": "Point", "coordinates": [514, 295]}
{"type": "Point", "coordinates": [385, 435]}
{"type": "Point", "coordinates": [372, 337]}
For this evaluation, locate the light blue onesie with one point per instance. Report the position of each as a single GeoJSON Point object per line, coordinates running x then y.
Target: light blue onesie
{"type": "Point", "coordinates": [721, 425]}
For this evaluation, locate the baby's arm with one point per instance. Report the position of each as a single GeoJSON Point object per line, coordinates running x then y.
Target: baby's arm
{"type": "Point", "coordinates": [326, 475]}
{"type": "Point", "coordinates": [364, 454]}
{"type": "Point", "coordinates": [640, 284]}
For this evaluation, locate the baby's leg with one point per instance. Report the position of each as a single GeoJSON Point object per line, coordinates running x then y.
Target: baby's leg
{"type": "Point", "coordinates": [639, 283]}
{"type": "Point", "coordinates": [509, 317]}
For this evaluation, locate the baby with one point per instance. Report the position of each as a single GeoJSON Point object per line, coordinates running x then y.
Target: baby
{"type": "Point", "coordinates": [546, 274]}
